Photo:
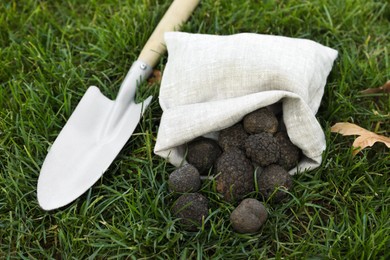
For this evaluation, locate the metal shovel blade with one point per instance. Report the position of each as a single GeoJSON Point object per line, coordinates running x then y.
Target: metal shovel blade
{"type": "Point", "coordinates": [90, 140]}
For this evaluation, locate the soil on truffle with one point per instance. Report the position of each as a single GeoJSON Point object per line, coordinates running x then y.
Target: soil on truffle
{"type": "Point", "coordinates": [249, 216]}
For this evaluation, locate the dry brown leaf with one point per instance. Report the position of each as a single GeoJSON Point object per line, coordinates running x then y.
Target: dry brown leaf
{"type": "Point", "coordinates": [155, 77]}
{"type": "Point", "coordinates": [383, 89]}
{"type": "Point", "coordinates": [366, 138]}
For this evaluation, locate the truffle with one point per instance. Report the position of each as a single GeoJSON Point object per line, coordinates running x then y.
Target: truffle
{"type": "Point", "coordinates": [234, 175]}
{"type": "Point", "coordinates": [233, 136]}
{"type": "Point", "coordinates": [289, 153]}
{"type": "Point", "coordinates": [272, 177]}
{"type": "Point", "coordinates": [202, 153]}
{"type": "Point", "coordinates": [261, 120]}
{"type": "Point", "coordinates": [184, 179]}
{"type": "Point", "coordinates": [249, 216]}
{"type": "Point", "coordinates": [262, 149]}
{"type": "Point", "coordinates": [191, 208]}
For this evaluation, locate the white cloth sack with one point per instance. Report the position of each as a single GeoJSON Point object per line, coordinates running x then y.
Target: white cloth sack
{"type": "Point", "coordinates": [211, 82]}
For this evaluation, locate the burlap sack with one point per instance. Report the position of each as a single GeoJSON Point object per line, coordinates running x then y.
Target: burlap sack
{"type": "Point", "coordinates": [211, 82]}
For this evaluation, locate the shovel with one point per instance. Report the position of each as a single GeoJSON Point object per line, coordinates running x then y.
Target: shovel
{"type": "Point", "coordinates": [99, 127]}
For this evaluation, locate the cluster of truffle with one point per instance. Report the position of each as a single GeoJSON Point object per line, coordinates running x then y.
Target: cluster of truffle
{"type": "Point", "coordinates": [255, 152]}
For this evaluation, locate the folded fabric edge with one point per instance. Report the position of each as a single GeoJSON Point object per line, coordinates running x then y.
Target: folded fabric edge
{"type": "Point", "coordinates": [172, 148]}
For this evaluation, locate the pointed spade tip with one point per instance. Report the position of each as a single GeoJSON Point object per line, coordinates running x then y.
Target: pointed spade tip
{"type": "Point", "coordinates": [48, 202]}
{"type": "Point", "coordinates": [45, 207]}
{"type": "Point", "coordinates": [49, 205]}
{"type": "Point", "coordinates": [45, 204]}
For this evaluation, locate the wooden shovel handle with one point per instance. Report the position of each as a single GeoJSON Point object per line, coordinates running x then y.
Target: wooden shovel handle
{"type": "Point", "coordinates": [177, 14]}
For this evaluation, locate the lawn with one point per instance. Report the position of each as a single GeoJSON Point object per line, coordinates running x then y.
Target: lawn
{"type": "Point", "coordinates": [51, 51]}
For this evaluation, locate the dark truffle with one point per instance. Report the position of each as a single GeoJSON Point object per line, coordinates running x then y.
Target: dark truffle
{"type": "Point", "coordinates": [271, 178]}
{"type": "Point", "coordinates": [184, 179]}
{"type": "Point", "coordinates": [289, 153]}
{"type": "Point", "coordinates": [249, 216]}
{"type": "Point", "coordinates": [202, 153]}
{"type": "Point", "coordinates": [233, 136]}
{"type": "Point", "coordinates": [261, 120]}
{"type": "Point", "coordinates": [234, 175]}
{"type": "Point", "coordinates": [262, 149]}
{"type": "Point", "coordinates": [191, 208]}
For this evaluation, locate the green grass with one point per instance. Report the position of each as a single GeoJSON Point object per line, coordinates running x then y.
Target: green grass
{"type": "Point", "coordinates": [51, 51]}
